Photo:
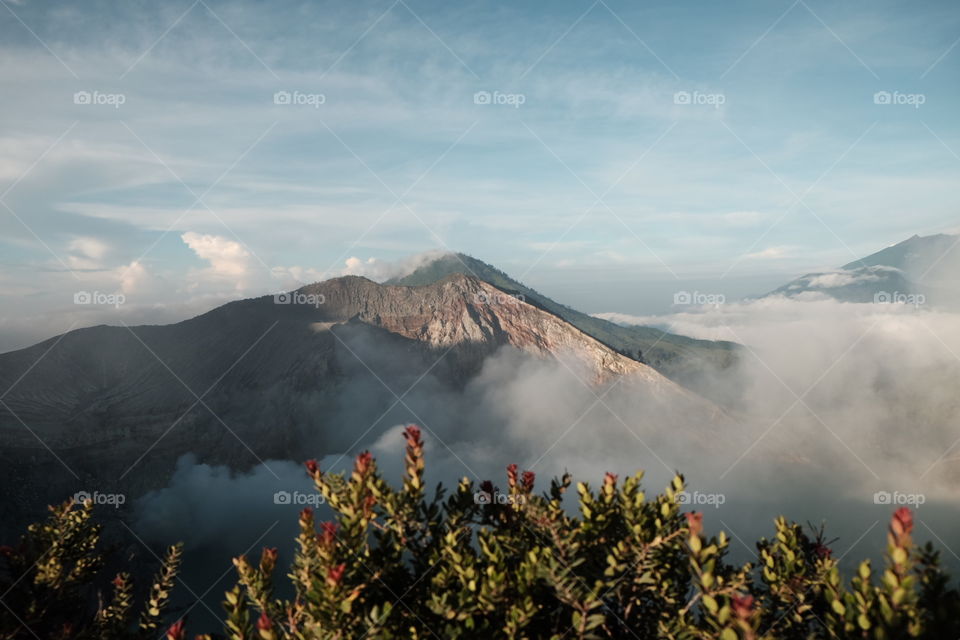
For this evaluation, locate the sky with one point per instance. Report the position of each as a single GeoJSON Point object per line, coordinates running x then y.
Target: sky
{"type": "Point", "coordinates": [167, 157]}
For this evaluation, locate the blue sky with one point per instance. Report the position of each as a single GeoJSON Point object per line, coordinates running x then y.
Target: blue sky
{"type": "Point", "coordinates": [588, 175]}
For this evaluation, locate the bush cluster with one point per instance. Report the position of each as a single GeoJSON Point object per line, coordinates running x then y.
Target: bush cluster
{"type": "Point", "coordinates": [396, 564]}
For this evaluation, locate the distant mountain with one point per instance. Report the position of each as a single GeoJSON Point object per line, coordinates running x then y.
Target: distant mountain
{"type": "Point", "coordinates": [687, 361]}
{"type": "Point", "coordinates": [919, 268]}
{"type": "Point", "coordinates": [118, 406]}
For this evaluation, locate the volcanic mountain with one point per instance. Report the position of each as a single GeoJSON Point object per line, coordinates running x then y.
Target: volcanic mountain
{"type": "Point", "coordinates": [927, 266]}
{"type": "Point", "coordinates": [108, 407]}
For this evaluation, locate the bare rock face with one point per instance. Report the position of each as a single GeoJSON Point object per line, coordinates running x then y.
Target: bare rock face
{"type": "Point", "coordinates": [461, 309]}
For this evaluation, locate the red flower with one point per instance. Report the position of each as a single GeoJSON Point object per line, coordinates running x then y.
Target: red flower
{"type": "Point", "coordinates": [694, 522]}
{"type": "Point", "coordinates": [306, 513]}
{"type": "Point", "coordinates": [412, 433]}
{"type": "Point", "coordinates": [268, 559]}
{"type": "Point", "coordinates": [264, 624]}
{"type": "Point", "coordinates": [312, 467]}
{"type": "Point", "coordinates": [512, 475]}
{"type": "Point", "coordinates": [529, 477]}
{"type": "Point", "coordinates": [118, 582]}
{"type": "Point", "coordinates": [902, 521]}
{"type": "Point", "coordinates": [328, 533]}
{"type": "Point", "coordinates": [743, 606]}
{"type": "Point", "coordinates": [176, 631]}
{"type": "Point", "coordinates": [822, 550]}
{"type": "Point", "coordinates": [362, 464]}
{"type": "Point", "coordinates": [335, 574]}
{"type": "Point", "coordinates": [610, 478]}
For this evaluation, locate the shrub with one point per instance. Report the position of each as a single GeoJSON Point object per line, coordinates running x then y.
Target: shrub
{"type": "Point", "coordinates": [48, 585]}
{"type": "Point", "coordinates": [481, 563]}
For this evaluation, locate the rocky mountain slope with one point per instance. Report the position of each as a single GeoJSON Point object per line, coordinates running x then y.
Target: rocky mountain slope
{"type": "Point", "coordinates": [688, 361]}
{"type": "Point", "coordinates": [253, 380]}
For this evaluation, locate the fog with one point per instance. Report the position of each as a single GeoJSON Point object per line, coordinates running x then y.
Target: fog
{"type": "Point", "coordinates": [830, 404]}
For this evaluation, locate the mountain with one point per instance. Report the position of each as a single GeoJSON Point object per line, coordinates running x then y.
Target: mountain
{"type": "Point", "coordinates": [687, 361]}
{"type": "Point", "coordinates": [110, 408]}
{"type": "Point", "coordinates": [924, 269]}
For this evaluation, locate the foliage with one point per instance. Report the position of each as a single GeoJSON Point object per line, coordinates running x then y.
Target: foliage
{"type": "Point", "coordinates": [48, 585]}
{"type": "Point", "coordinates": [481, 563]}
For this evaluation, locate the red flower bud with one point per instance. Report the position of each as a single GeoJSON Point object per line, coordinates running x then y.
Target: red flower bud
{"type": "Point", "coordinates": [694, 522]}
{"type": "Point", "coordinates": [118, 582]}
{"type": "Point", "coordinates": [264, 624]}
{"type": "Point", "coordinates": [822, 550]}
{"type": "Point", "coordinates": [902, 522]}
{"type": "Point", "coordinates": [362, 464]}
{"type": "Point", "coordinates": [335, 574]}
{"type": "Point", "coordinates": [268, 559]}
{"type": "Point", "coordinates": [512, 475]}
{"type": "Point", "coordinates": [743, 606]}
{"type": "Point", "coordinates": [412, 433]}
{"type": "Point", "coordinates": [176, 631]}
{"type": "Point", "coordinates": [610, 478]}
{"type": "Point", "coordinates": [529, 478]}
{"type": "Point", "coordinates": [328, 534]}
{"type": "Point", "coordinates": [312, 467]}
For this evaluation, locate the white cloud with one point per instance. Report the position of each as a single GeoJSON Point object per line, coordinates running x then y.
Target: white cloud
{"type": "Point", "coordinates": [381, 270]}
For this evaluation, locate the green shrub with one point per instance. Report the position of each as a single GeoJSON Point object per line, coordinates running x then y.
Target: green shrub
{"type": "Point", "coordinates": [48, 585]}
{"type": "Point", "coordinates": [395, 564]}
